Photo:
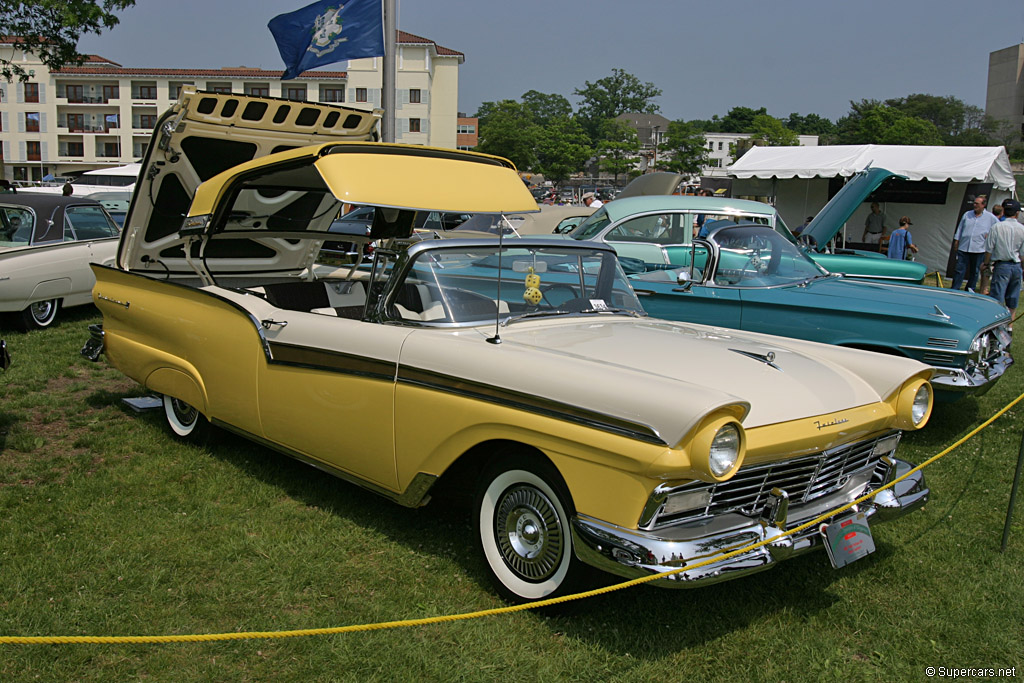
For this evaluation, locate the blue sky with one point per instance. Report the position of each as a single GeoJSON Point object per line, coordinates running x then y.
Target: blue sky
{"type": "Point", "coordinates": [707, 57]}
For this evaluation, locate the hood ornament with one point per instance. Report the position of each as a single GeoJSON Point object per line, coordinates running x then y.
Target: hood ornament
{"type": "Point", "coordinates": [939, 314]}
{"type": "Point", "coordinates": [768, 358]}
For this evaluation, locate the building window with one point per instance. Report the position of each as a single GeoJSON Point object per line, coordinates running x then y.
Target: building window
{"type": "Point", "coordinates": [175, 89]}
{"type": "Point", "coordinates": [711, 145]}
{"type": "Point", "coordinates": [76, 149]}
{"type": "Point", "coordinates": [31, 92]}
{"type": "Point", "coordinates": [414, 95]}
{"type": "Point", "coordinates": [223, 89]}
{"type": "Point", "coordinates": [333, 95]}
{"type": "Point", "coordinates": [110, 92]}
{"type": "Point", "coordinates": [465, 129]}
{"type": "Point", "coordinates": [360, 94]}
{"type": "Point", "coordinates": [259, 91]}
{"type": "Point", "coordinates": [719, 146]}
{"type": "Point", "coordinates": [111, 121]}
{"type": "Point", "coordinates": [76, 123]}
{"type": "Point", "coordinates": [147, 121]}
{"type": "Point", "coordinates": [32, 151]}
{"type": "Point", "coordinates": [147, 92]}
{"type": "Point", "coordinates": [111, 149]}
{"type": "Point", "coordinates": [296, 94]}
{"type": "Point", "coordinates": [414, 125]}
{"type": "Point", "coordinates": [31, 122]}
{"type": "Point", "coordinates": [75, 93]}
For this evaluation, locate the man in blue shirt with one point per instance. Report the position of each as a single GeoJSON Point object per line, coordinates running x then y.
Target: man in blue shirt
{"type": "Point", "coordinates": [969, 242]}
{"type": "Point", "coordinates": [900, 242]}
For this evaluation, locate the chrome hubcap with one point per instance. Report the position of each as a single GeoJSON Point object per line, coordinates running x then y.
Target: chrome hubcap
{"type": "Point", "coordinates": [42, 310]}
{"type": "Point", "coordinates": [530, 536]}
{"type": "Point", "coordinates": [185, 413]}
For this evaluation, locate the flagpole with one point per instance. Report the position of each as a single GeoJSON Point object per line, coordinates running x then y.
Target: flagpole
{"type": "Point", "coordinates": [388, 75]}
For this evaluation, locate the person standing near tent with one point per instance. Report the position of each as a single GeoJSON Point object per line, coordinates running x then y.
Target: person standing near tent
{"type": "Point", "coordinates": [901, 244]}
{"type": "Point", "coordinates": [874, 225]}
{"type": "Point", "coordinates": [969, 242]}
{"type": "Point", "coordinates": [1004, 248]}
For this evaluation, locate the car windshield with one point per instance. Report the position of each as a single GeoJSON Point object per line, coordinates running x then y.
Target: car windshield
{"type": "Point", "coordinates": [476, 284]}
{"type": "Point", "coordinates": [491, 223]}
{"type": "Point", "coordinates": [755, 256]}
{"type": "Point", "coordinates": [591, 227]}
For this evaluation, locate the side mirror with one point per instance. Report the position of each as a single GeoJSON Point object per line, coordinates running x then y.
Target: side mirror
{"type": "Point", "coordinates": [684, 280]}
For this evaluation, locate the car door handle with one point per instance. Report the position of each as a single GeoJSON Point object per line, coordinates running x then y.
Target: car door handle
{"type": "Point", "coordinates": [270, 321]}
{"type": "Point", "coordinates": [643, 292]}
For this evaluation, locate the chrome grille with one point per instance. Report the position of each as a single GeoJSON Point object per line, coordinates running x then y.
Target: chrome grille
{"type": "Point", "coordinates": [943, 343]}
{"type": "Point", "coordinates": [804, 479]}
{"type": "Point", "coordinates": [933, 358]}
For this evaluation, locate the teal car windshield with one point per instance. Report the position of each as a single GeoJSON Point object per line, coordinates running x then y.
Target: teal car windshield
{"type": "Point", "coordinates": [752, 256]}
{"type": "Point", "coordinates": [592, 227]}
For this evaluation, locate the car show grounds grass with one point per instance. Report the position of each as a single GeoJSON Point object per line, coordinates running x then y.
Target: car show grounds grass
{"type": "Point", "coordinates": [109, 527]}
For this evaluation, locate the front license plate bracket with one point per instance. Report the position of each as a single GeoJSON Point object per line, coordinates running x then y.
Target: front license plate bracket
{"type": "Point", "coordinates": [847, 539]}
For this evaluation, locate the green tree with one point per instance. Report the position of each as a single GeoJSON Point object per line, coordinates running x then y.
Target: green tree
{"type": "Point", "coordinates": [738, 120]}
{"type": "Point", "coordinates": [612, 95]}
{"type": "Point", "coordinates": [511, 133]}
{"type": "Point", "coordinates": [874, 122]}
{"type": "Point", "coordinates": [772, 132]}
{"type": "Point", "coordinates": [50, 29]}
{"type": "Point", "coordinates": [563, 147]}
{"type": "Point", "coordinates": [546, 108]}
{"type": "Point", "coordinates": [685, 149]}
{"type": "Point", "coordinates": [619, 147]}
{"type": "Point", "coordinates": [811, 124]}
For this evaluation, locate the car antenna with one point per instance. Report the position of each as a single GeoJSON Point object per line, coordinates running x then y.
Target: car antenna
{"type": "Point", "coordinates": [496, 339]}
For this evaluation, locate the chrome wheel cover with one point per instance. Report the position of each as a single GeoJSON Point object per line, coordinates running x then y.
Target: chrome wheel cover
{"type": "Point", "coordinates": [185, 413]}
{"type": "Point", "coordinates": [528, 532]}
{"type": "Point", "coordinates": [43, 312]}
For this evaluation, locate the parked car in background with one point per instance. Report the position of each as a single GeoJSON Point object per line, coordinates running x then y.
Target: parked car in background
{"type": "Point", "coordinates": [116, 202]}
{"type": "Point", "coordinates": [652, 193]}
{"type": "Point", "coordinates": [526, 371]}
{"type": "Point", "coordinates": [750, 277]}
{"type": "Point", "coordinates": [46, 245]}
{"type": "Point", "coordinates": [356, 222]}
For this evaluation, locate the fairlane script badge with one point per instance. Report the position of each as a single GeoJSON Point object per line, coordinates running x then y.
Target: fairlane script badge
{"type": "Point", "coordinates": [833, 423]}
{"type": "Point", "coordinates": [126, 304]}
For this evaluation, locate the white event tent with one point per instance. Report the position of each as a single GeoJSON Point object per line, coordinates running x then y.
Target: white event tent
{"type": "Point", "coordinates": [796, 180]}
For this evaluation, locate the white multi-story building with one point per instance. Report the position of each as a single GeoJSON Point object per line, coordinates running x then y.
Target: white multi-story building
{"type": "Point", "coordinates": [722, 150]}
{"type": "Point", "coordinates": [101, 114]}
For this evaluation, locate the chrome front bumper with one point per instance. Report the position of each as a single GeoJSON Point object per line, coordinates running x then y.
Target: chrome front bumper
{"type": "Point", "coordinates": [631, 553]}
{"type": "Point", "coordinates": [976, 382]}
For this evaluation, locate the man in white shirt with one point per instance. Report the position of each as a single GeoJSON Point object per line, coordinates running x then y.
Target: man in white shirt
{"type": "Point", "coordinates": [591, 200]}
{"type": "Point", "coordinates": [1004, 248]}
{"type": "Point", "coordinates": [969, 242]}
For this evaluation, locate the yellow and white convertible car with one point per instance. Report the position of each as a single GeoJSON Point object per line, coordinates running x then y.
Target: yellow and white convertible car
{"type": "Point", "coordinates": [589, 433]}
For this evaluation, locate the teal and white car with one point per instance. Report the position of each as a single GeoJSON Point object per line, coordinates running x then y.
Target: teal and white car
{"type": "Point", "coordinates": [653, 242]}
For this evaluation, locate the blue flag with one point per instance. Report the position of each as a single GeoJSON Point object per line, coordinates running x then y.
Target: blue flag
{"type": "Point", "coordinates": [327, 32]}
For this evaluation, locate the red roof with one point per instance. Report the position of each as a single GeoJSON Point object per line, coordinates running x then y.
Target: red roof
{"type": "Point", "coordinates": [404, 37]}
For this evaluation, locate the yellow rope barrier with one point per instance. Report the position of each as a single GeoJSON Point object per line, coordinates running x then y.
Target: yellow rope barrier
{"type": "Point", "coordinates": [246, 635]}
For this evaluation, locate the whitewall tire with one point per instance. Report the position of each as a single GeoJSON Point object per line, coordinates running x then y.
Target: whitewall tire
{"type": "Point", "coordinates": [522, 522]}
{"type": "Point", "coordinates": [40, 314]}
{"type": "Point", "coordinates": [185, 421]}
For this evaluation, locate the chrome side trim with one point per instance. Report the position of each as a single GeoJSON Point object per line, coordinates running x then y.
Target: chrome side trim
{"type": "Point", "coordinates": [528, 402]}
{"type": "Point", "coordinates": [415, 495]}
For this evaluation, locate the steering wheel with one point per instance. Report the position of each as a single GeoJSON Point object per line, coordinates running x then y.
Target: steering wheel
{"type": "Point", "coordinates": [554, 287]}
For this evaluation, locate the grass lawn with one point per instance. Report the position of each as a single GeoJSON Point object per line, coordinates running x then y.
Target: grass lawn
{"type": "Point", "coordinates": [111, 528]}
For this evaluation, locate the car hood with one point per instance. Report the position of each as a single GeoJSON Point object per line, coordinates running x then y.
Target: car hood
{"type": "Point", "coordinates": [658, 183]}
{"type": "Point", "coordinates": [830, 220]}
{"type": "Point", "coordinates": [600, 362]}
{"type": "Point", "coordinates": [913, 303]}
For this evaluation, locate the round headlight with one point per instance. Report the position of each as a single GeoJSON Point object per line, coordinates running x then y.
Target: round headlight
{"type": "Point", "coordinates": [921, 405]}
{"type": "Point", "coordinates": [725, 448]}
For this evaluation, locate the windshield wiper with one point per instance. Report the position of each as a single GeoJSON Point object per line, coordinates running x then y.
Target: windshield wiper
{"type": "Point", "coordinates": [628, 311]}
{"type": "Point", "coordinates": [533, 314]}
